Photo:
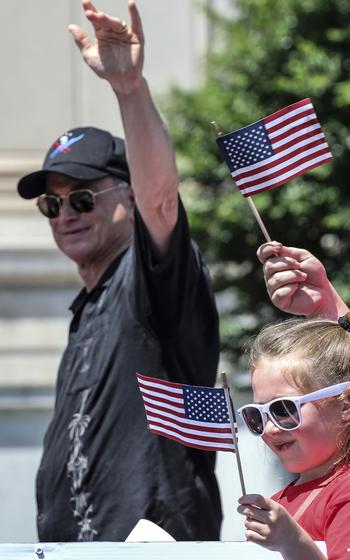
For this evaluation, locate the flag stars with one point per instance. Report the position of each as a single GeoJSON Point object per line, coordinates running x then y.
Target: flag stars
{"type": "Point", "coordinates": [247, 146]}
{"type": "Point", "coordinates": [205, 405]}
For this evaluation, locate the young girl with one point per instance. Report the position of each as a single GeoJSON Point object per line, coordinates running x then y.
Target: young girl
{"type": "Point", "coordinates": [301, 384]}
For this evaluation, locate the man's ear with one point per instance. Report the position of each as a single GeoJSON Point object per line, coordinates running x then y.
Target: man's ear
{"type": "Point", "coordinates": [132, 196]}
{"type": "Point", "coordinates": [131, 199]}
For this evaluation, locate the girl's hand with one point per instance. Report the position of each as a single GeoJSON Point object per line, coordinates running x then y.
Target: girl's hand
{"type": "Point", "coordinates": [270, 525]}
{"type": "Point", "coordinates": [297, 282]}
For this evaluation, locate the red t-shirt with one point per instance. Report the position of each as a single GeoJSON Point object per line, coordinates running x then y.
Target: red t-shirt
{"type": "Point", "coordinates": [327, 517]}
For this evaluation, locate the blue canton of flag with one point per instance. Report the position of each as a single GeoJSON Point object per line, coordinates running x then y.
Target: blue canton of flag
{"type": "Point", "coordinates": [192, 415]}
{"type": "Point", "coordinates": [248, 145]}
{"type": "Point", "coordinates": [205, 404]}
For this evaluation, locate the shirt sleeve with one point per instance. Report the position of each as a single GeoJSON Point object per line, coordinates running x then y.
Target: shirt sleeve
{"type": "Point", "coordinates": [337, 526]}
{"type": "Point", "coordinates": [181, 300]}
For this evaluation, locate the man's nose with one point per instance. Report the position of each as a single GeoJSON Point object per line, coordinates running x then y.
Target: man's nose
{"type": "Point", "coordinates": [66, 209]}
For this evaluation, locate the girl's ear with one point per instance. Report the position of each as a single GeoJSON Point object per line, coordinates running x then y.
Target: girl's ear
{"type": "Point", "coordinates": [345, 413]}
{"type": "Point", "coordinates": [345, 416]}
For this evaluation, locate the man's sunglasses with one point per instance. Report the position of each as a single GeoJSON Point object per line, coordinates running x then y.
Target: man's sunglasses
{"type": "Point", "coordinates": [81, 200]}
{"type": "Point", "coordinates": [284, 412]}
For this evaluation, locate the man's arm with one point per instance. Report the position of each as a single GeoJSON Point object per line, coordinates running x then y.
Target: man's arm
{"type": "Point", "coordinates": [117, 55]}
{"type": "Point", "coordinates": [297, 282]}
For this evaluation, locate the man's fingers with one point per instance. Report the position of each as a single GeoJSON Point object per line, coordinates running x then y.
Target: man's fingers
{"type": "Point", "coordinates": [80, 37]}
{"type": "Point", "coordinates": [100, 20]}
{"type": "Point", "coordinates": [87, 5]}
{"type": "Point", "coordinates": [109, 28]}
{"type": "Point", "coordinates": [135, 21]}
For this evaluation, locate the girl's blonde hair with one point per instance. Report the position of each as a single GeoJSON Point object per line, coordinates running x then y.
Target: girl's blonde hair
{"type": "Point", "coordinates": [322, 357]}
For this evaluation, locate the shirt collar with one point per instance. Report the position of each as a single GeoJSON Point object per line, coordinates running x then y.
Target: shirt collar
{"type": "Point", "coordinates": [84, 296]}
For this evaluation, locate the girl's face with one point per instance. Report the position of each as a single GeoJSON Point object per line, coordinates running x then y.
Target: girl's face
{"type": "Point", "coordinates": [312, 448]}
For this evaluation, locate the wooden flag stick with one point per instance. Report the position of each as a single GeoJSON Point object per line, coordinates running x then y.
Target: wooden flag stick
{"type": "Point", "coordinates": [258, 218]}
{"type": "Point", "coordinates": [216, 128]}
{"type": "Point", "coordinates": [249, 200]}
{"type": "Point", "coordinates": [233, 430]}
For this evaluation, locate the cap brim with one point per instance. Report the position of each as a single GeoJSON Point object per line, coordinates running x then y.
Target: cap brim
{"type": "Point", "coordinates": [34, 184]}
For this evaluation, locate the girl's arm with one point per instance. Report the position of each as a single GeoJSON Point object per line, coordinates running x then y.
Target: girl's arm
{"type": "Point", "coordinates": [297, 282]}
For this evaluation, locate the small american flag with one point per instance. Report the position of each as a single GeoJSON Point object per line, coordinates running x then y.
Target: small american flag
{"type": "Point", "coordinates": [271, 152]}
{"type": "Point", "coordinates": [192, 415]}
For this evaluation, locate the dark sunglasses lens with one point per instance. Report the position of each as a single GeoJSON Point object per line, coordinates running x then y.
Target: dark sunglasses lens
{"type": "Point", "coordinates": [49, 206]}
{"type": "Point", "coordinates": [253, 420]}
{"type": "Point", "coordinates": [82, 201]}
{"type": "Point", "coordinates": [285, 414]}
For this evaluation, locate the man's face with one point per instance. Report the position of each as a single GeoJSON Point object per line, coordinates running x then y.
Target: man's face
{"type": "Point", "coordinates": [90, 238]}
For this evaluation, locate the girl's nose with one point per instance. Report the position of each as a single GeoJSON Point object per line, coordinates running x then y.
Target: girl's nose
{"type": "Point", "coordinates": [270, 427]}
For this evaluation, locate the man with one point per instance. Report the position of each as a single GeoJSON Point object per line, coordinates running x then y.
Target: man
{"type": "Point", "coordinates": [147, 306]}
{"type": "Point", "coordinates": [297, 282]}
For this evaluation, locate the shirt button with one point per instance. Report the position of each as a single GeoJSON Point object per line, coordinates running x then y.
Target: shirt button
{"type": "Point", "coordinates": [40, 516]}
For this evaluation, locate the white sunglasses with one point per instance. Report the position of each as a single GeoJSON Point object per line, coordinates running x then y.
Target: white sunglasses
{"type": "Point", "coordinates": [284, 412]}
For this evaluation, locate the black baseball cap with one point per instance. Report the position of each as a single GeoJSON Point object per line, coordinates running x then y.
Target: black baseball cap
{"type": "Point", "coordinates": [85, 153]}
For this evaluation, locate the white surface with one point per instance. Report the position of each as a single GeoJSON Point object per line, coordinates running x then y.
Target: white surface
{"type": "Point", "coordinates": [146, 551]}
{"type": "Point", "coordinates": [146, 531]}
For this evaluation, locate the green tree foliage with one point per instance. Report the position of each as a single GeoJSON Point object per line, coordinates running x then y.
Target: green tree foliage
{"type": "Point", "coordinates": [267, 55]}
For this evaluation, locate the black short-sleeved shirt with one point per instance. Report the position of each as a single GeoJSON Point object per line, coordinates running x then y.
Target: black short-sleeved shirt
{"type": "Point", "coordinates": [102, 470]}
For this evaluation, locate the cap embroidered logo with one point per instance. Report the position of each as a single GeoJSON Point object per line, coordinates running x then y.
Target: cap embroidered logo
{"type": "Point", "coordinates": [63, 143]}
